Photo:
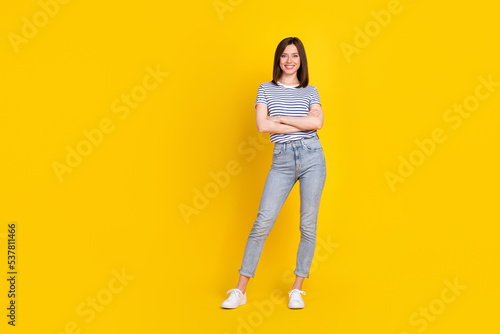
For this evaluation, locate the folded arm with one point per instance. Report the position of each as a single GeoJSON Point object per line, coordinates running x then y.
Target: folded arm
{"type": "Point", "coordinates": [313, 120]}
{"type": "Point", "coordinates": [266, 125]}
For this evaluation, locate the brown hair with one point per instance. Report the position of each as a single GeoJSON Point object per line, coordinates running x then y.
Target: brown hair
{"type": "Point", "coordinates": [302, 72]}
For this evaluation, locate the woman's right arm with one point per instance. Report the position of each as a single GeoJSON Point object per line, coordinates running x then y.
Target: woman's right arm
{"type": "Point", "coordinates": [265, 125]}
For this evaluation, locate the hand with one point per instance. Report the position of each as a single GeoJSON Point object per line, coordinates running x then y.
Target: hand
{"type": "Point", "coordinates": [276, 119]}
{"type": "Point", "coordinates": [314, 112]}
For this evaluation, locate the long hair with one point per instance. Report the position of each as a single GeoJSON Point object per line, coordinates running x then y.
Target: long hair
{"type": "Point", "coordinates": [302, 72]}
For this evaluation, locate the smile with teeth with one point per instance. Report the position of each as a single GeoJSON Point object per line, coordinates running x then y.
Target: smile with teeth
{"type": "Point", "coordinates": [289, 66]}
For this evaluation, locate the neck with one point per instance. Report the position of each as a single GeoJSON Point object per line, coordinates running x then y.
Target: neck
{"type": "Point", "coordinates": [289, 79]}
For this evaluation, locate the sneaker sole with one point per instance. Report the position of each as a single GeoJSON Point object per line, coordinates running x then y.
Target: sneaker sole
{"type": "Point", "coordinates": [230, 308]}
{"type": "Point", "coordinates": [295, 307]}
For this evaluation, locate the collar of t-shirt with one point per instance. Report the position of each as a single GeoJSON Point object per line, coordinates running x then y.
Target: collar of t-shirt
{"type": "Point", "coordinates": [287, 86]}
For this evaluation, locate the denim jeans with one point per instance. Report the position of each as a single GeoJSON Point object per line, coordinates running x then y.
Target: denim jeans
{"type": "Point", "coordinates": [301, 160]}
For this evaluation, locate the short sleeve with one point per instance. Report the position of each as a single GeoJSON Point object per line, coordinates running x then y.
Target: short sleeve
{"type": "Point", "coordinates": [261, 96]}
{"type": "Point", "coordinates": [315, 97]}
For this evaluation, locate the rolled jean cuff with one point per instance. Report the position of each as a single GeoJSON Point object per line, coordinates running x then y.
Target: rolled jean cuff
{"type": "Point", "coordinates": [301, 274]}
{"type": "Point", "coordinates": [245, 273]}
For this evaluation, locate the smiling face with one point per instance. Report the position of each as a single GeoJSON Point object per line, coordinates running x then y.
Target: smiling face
{"type": "Point", "coordinates": [290, 60]}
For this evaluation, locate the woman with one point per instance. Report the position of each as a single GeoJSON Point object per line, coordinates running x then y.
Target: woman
{"type": "Point", "coordinates": [290, 110]}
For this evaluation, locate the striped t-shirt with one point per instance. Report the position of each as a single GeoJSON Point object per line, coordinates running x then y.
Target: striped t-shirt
{"type": "Point", "coordinates": [284, 100]}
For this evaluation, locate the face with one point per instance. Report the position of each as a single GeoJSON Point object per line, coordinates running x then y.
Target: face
{"type": "Point", "coordinates": [290, 60]}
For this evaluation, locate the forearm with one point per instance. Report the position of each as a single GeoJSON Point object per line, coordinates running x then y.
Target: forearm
{"type": "Point", "coordinates": [274, 127]}
{"type": "Point", "coordinates": [302, 122]}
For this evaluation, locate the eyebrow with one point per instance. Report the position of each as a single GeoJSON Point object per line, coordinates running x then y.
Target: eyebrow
{"type": "Point", "coordinates": [295, 53]}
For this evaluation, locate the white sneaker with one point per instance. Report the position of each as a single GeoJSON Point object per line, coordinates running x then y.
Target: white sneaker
{"type": "Point", "coordinates": [235, 299]}
{"type": "Point", "coordinates": [295, 299]}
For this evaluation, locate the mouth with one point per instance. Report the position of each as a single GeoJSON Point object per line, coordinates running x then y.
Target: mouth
{"type": "Point", "coordinates": [289, 67]}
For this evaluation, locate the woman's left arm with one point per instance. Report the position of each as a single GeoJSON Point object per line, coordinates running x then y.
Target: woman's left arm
{"type": "Point", "coordinates": [313, 120]}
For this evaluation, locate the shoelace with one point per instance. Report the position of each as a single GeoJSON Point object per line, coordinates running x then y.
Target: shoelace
{"type": "Point", "coordinates": [234, 294]}
{"type": "Point", "coordinates": [296, 297]}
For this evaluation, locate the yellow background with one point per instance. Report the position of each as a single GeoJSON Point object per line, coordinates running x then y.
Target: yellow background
{"type": "Point", "coordinates": [389, 253]}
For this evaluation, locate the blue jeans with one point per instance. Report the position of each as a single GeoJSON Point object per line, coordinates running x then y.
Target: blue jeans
{"type": "Point", "coordinates": [301, 160]}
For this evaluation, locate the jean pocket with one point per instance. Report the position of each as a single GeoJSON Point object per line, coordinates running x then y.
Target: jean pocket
{"type": "Point", "coordinates": [277, 152]}
{"type": "Point", "coordinates": [313, 146]}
